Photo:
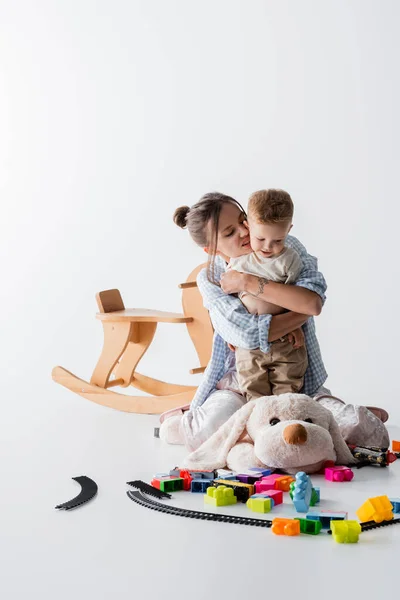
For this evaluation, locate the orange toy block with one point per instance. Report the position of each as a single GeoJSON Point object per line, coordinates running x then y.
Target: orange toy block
{"type": "Point", "coordinates": [285, 526]}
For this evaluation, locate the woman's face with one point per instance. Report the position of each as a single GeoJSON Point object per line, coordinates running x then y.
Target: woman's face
{"type": "Point", "coordinates": [233, 235]}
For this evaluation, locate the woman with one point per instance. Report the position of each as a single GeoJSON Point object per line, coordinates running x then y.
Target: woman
{"type": "Point", "coordinates": [216, 223]}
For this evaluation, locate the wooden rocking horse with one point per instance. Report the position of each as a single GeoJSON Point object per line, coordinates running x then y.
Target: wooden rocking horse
{"type": "Point", "coordinates": [127, 335]}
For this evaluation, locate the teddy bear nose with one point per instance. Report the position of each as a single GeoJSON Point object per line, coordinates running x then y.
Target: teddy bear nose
{"type": "Point", "coordinates": [295, 434]}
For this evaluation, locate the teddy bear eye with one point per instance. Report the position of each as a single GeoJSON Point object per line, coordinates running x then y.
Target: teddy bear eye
{"type": "Point", "coordinates": [274, 421]}
{"type": "Point", "coordinates": [308, 420]}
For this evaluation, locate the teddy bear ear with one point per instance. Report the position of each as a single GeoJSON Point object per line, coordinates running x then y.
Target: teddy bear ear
{"type": "Point", "coordinates": [213, 453]}
{"type": "Point", "coordinates": [343, 454]}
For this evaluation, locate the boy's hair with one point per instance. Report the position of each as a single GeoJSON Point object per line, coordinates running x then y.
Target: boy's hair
{"type": "Point", "coordinates": [271, 206]}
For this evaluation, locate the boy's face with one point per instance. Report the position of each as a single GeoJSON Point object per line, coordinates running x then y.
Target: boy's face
{"type": "Point", "coordinates": [268, 239]}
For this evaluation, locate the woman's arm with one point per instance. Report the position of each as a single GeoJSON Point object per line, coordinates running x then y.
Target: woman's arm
{"type": "Point", "coordinates": [288, 296]}
{"type": "Point", "coordinates": [236, 326]}
{"type": "Point", "coordinates": [306, 296]}
{"type": "Point", "coordinates": [283, 324]}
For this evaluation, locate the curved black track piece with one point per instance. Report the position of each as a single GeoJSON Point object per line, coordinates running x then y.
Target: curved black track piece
{"type": "Point", "coordinates": [148, 489]}
{"type": "Point", "coordinates": [141, 499]}
{"type": "Point", "coordinates": [88, 491]}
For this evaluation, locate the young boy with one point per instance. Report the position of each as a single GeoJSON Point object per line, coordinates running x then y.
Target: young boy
{"type": "Point", "coordinates": [270, 214]}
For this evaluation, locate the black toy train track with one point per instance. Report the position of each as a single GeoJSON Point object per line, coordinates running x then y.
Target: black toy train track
{"type": "Point", "coordinates": [140, 498]}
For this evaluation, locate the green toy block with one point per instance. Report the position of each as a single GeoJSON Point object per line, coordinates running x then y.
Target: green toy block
{"type": "Point", "coordinates": [259, 505]}
{"type": "Point", "coordinates": [315, 497]}
{"type": "Point", "coordinates": [220, 496]}
{"type": "Point", "coordinates": [171, 485]}
{"type": "Point", "coordinates": [311, 527]}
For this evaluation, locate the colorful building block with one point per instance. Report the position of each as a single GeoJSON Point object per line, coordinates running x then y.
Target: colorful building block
{"type": "Point", "coordinates": [248, 478]}
{"type": "Point", "coordinates": [168, 484]}
{"type": "Point", "coordinates": [265, 495]}
{"type": "Point", "coordinates": [315, 496]}
{"type": "Point", "coordinates": [395, 446]}
{"type": "Point", "coordinates": [376, 509]}
{"type": "Point", "coordinates": [196, 474]}
{"type": "Point", "coordinates": [285, 526]}
{"type": "Point", "coordinates": [242, 491]}
{"type": "Point", "coordinates": [260, 505]}
{"type": "Point", "coordinates": [339, 473]}
{"type": "Point", "coordinates": [264, 472]}
{"type": "Point", "coordinates": [199, 486]}
{"type": "Point", "coordinates": [220, 496]}
{"type": "Point", "coordinates": [395, 502]}
{"type": "Point", "coordinates": [224, 474]}
{"type": "Point", "coordinates": [276, 495]}
{"type": "Point", "coordinates": [173, 473]}
{"type": "Point", "coordinates": [345, 532]}
{"type": "Point", "coordinates": [274, 482]}
{"type": "Point", "coordinates": [183, 474]}
{"type": "Point", "coordinates": [310, 527]}
{"type": "Point", "coordinates": [302, 492]}
{"type": "Point", "coordinates": [326, 517]}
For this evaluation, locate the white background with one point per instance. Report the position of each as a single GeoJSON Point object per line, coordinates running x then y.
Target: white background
{"type": "Point", "coordinates": [112, 114]}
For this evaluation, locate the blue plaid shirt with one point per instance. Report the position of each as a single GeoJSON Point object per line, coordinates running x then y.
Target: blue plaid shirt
{"type": "Point", "coordinates": [233, 324]}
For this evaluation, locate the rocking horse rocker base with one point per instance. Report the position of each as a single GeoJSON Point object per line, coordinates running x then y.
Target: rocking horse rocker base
{"type": "Point", "coordinates": [127, 335]}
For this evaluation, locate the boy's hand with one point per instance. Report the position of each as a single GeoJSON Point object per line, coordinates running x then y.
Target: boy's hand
{"type": "Point", "coordinates": [231, 347]}
{"type": "Point", "coordinates": [296, 337]}
{"type": "Point", "coordinates": [233, 282]}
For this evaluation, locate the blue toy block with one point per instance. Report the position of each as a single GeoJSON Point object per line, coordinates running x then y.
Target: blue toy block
{"type": "Point", "coordinates": [264, 472]}
{"type": "Point", "coordinates": [395, 502]}
{"type": "Point", "coordinates": [302, 492]}
{"type": "Point", "coordinates": [225, 474]}
{"type": "Point", "coordinates": [199, 486]}
{"type": "Point", "coordinates": [326, 516]}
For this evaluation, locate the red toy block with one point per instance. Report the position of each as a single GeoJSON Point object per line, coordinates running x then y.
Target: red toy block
{"type": "Point", "coordinates": [276, 495]}
{"type": "Point", "coordinates": [338, 474]}
{"type": "Point", "coordinates": [187, 480]}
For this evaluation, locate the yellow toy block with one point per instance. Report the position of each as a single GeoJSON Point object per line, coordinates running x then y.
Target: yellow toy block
{"type": "Point", "coordinates": [376, 509]}
{"type": "Point", "coordinates": [345, 532]}
{"type": "Point", "coordinates": [259, 505]}
{"type": "Point", "coordinates": [220, 496]}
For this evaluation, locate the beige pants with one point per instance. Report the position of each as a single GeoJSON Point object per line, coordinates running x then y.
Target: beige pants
{"type": "Point", "coordinates": [278, 372]}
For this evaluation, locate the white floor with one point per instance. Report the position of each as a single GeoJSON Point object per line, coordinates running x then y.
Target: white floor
{"type": "Point", "coordinates": [112, 546]}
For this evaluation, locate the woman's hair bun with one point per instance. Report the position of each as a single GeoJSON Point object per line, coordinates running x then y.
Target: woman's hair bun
{"type": "Point", "coordinates": [180, 216]}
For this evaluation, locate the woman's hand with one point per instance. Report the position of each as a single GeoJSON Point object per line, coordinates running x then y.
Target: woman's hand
{"type": "Point", "coordinates": [233, 282]}
{"type": "Point", "coordinates": [296, 337]}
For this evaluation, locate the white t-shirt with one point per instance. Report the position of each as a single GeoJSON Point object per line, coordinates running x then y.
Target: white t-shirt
{"type": "Point", "coordinates": [283, 268]}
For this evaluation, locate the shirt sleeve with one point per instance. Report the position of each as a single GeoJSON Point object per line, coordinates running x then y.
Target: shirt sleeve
{"type": "Point", "coordinates": [309, 277]}
{"type": "Point", "coordinates": [230, 318]}
{"type": "Point", "coordinates": [294, 267]}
